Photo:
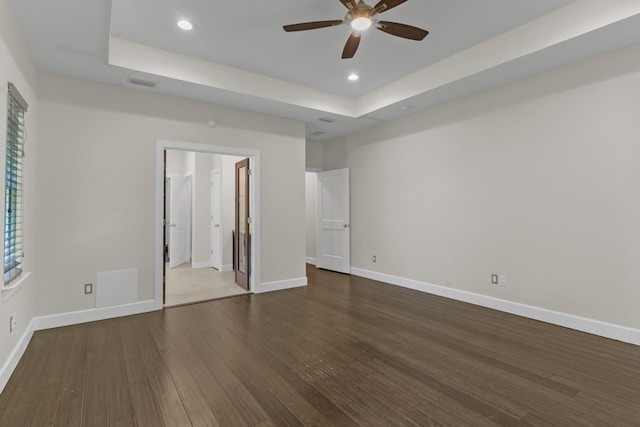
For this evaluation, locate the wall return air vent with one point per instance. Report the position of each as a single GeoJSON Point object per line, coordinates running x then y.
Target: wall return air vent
{"type": "Point", "coordinates": [145, 83]}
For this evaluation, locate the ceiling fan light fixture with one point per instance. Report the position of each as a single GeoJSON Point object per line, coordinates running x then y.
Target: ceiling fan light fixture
{"type": "Point", "coordinates": [361, 17]}
{"type": "Point", "coordinates": [361, 23]}
{"type": "Point", "coordinates": [185, 25]}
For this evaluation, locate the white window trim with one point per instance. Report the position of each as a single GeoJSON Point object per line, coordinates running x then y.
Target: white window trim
{"type": "Point", "coordinates": [17, 282]}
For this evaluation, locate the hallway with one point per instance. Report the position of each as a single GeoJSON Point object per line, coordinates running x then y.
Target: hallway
{"type": "Point", "coordinates": [185, 285]}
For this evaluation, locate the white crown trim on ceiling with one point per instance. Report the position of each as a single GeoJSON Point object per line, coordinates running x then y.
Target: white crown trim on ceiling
{"type": "Point", "coordinates": [568, 23]}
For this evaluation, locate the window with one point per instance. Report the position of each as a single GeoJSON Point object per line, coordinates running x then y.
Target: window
{"type": "Point", "coordinates": [16, 107]}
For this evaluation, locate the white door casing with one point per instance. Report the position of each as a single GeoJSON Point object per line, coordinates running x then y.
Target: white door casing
{"type": "Point", "coordinates": [333, 244]}
{"type": "Point", "coordinates": [216, 217]}
{"type": "Point", "coordinates": [255, 183]}
{"type": "Point", "coordinates": [178, 251]}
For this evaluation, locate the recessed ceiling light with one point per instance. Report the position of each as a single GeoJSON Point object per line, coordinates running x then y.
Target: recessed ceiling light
{"type": "Point", "coordinates": [361, 23]}
{"type": "Point", "coordinates": [353, 77]}
{"type": "Point", "coordinates": [185, 25]}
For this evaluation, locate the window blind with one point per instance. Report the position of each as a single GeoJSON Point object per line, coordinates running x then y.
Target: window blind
{"type": "Point", "coordinates": [16, 107]}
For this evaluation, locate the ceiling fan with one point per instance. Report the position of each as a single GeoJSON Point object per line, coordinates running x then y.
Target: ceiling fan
{"type": "Point", "coordinates": [360, 17]}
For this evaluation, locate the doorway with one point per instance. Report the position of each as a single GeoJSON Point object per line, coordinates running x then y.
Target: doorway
{"type": "Point", "coordinates": [242, 236]}
{"type": "Point", "coordinates": [311, 200]}
{"type": "Point", "coordinates": [198, 276]}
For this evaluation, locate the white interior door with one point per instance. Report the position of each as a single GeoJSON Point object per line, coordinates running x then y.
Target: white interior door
{"type": "Point", "coordinates": [216, 238]}
{"type": "Point", "coordinates": [333, 242]}
{"type": "Point", "coordinates": [189, 216]}
{"type": "Point", "coordinates": [178, 210]}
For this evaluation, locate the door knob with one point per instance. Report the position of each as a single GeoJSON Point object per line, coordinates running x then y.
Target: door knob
{"type": "Point", "coordinates": [346, 226]}
{"type": "Point", "coordinates": [217, 225]}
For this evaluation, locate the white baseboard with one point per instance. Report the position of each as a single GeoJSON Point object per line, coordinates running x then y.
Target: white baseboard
{"type": "Point", "coordinates": [280, 285]}
{"type": "Point", "coordinates": [66, 319]}
{"type": "Point", "coordinates": [202, 264]}
{"type": "Point", "coordinates": [94, 314]}
{"type": "Point", "coordinates": [311, 261]}
{"type": "Point", "coordinates": [14, 357]}
{"type": "Point", "coordinates": [596, 327]}
{"type": "Point", "coordinates": [226, 268]}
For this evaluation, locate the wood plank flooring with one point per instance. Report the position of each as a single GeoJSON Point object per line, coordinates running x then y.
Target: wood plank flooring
{"type": "Point", "coordinates": [345, 351]}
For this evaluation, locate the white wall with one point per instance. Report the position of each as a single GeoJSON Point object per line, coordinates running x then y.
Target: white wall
{"type": "Point", "coordinates": [105, 137]}
{"type": "Point", "coordinates": [537, 180]}
{"type": "Point", "coordinates": [176, 162]}
{"type": "Point", "coordinates": [311, 182]}
{"type": "Point", "coordinates": [16, 67]}
{"type": "Point", "coordinates": [314, 154]}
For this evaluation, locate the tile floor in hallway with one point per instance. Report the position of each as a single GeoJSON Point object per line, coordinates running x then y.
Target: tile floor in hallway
{"type": "Point", "coordinates": [186, 285]}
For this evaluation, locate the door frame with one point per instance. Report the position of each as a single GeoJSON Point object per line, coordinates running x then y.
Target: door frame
{"type": "Point", "coordinates": [219, 206]}
{"type": "Point", "coordinates": [245, 163]}
{"type": "Point", "coordinates": [161, 146]}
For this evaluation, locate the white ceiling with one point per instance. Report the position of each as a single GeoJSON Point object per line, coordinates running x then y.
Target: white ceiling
{"type": "Point", "coordinates": [248, 35]}
{"type": "Point", "coordinates": [239, 56]}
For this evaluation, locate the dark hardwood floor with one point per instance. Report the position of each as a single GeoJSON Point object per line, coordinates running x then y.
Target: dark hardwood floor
{"type": "Point", "coordinates": [344, 351]}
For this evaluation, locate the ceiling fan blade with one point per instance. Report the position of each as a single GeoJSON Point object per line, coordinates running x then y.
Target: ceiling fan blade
{"type": "Point", "coordinates": [402, 30]}
{"type": "Point", "coordinates": [351, 47]}
{"type": "Point", "coordinates": [384, 5]}
{"type": "Point", "coordinates": [311, 25]}
{"type": "Point", "coordinates": [349, 4]}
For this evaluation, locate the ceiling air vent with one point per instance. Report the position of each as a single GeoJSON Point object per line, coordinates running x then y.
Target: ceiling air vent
{"type": "Point", "coordinates": [317, 133]}
{"type": "Point", "coordinates": [327, 120]}
{"type": "Point", "coordinates": [145, 83]}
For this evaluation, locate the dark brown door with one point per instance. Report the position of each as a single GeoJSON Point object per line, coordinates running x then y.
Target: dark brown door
{"type": "Point", "coordinates": [242, 236]}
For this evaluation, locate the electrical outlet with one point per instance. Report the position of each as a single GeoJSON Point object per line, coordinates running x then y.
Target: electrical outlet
{"type": "Point", "coordinates": [88, 288]}
{"type": "Point", "coordinates": [12, 322]}
{"type": "Point", "coordinates": [373, 258]}
{"type": "Point", "coordinates": [502, 280]}
{"type": "Point", "coordinates": [494, 279]}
